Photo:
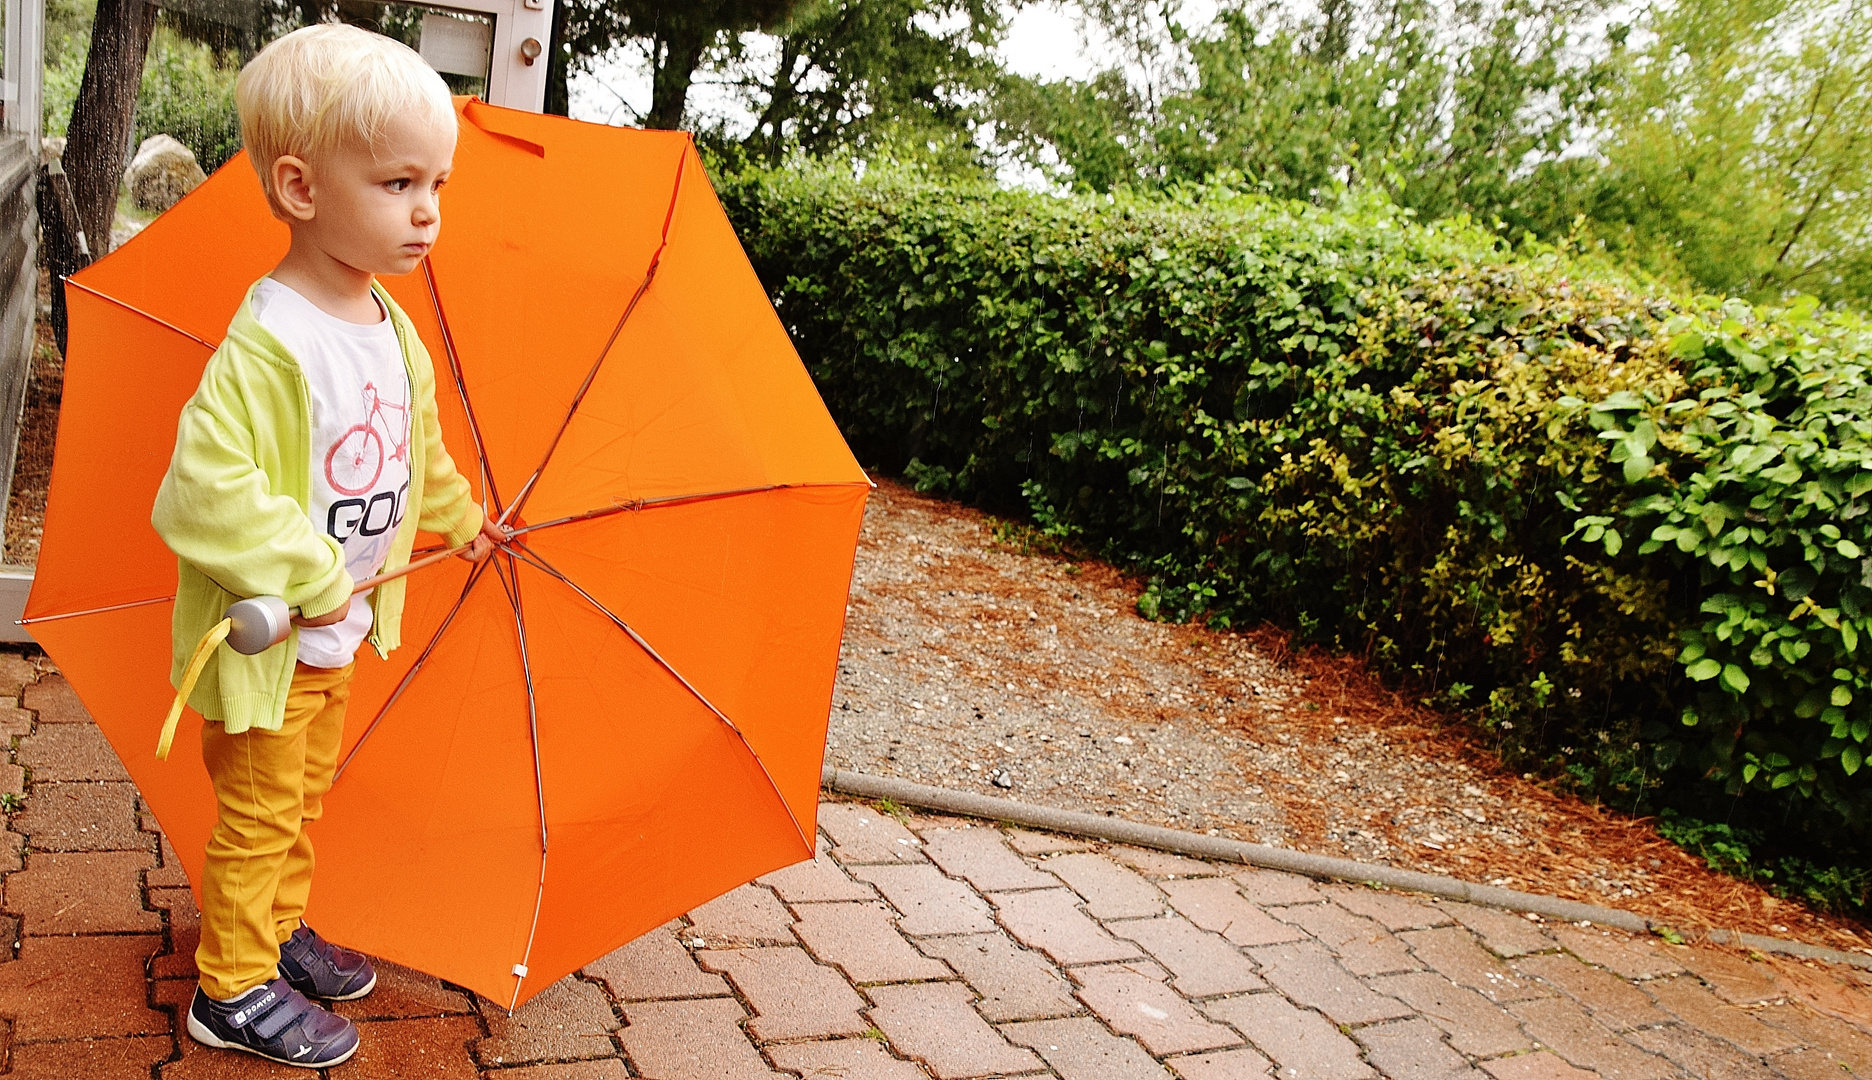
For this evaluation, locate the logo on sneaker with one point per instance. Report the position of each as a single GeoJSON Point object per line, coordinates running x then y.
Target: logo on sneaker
{"type": "Point", "coordinates": [240, 1018]}
{"type": "Point", "coordinates": [302, 1051]}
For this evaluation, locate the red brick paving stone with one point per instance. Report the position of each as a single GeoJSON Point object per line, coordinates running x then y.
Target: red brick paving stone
{"type": "Point", "coordinates": [748, 915]}
{"type": "Point", "coordinates": [1140, 1006]}
{"type": "Point", "coordinates": [1079, 1049]}
{"type": "Point", "coordinates": [1613, 1002]}
{"type": "Point", "coordinates": [1536, 1066]}
{"type": "Point", "coordinates": [862, 835]}
{"type": "Point", "coordinates": [1734, 979]}
{"type": "Point", "coordinates": [82, 817]}
{"type": "Point", "coordinates": [12, 779]}
{"type": "Point", "coordinates": [1618, 952]}
{"type": "Point", "coordinates": [930, 902]}
{"type": "Point", "coordinates": [863, 942]}
{"type": "Point", "coordinates": [1039, 843]}
{"type": "Point", "coordinates": [982, 858]}
{"type": "Point", "coordinates": [17, 671]}
{"type": "Point", "coordinates": [418, 1049]}
{"type": "Point", "coordinates": [54, 701]}
{"type": "Point", "coordinates": [169, 875]}
{"type": "Point", "coordinates": [569, 1019]}
{"type": "Point", "coordinates": [1014, 983]}
{"type": "Point", "coordinates": [1270, 888]}
{"type": "Point", "coordinates": [607, 1069]}
{"type": "Point", "coordinates": [933, 1023]}
{"type": "Point", "coordinates": [1050, 920]}
{"type": "Point", "coordinates": [1391, 910]}
{"type": "Point", "coordinates": [1308, 974]}
{"type": "Point", "coordinates": [94, 893]}
{"type": "Point", "coordinates": [90, 1059]}
{"type": "Point", "coordinates": [1364, 947]}
{"type": "Point", "coordinates": [180, 904]}
{"type": "Point", "coordinates": [206, 1063]}
{"type": "Point", "coordinates": [406, 994]}
{"type": "Point", "coordinates": [1701, 1056]}
{"type": "Point", "coordinates": [818, 879]}
{"type": "Point", "coordinates": [1203, 963]}
{"type": "Point", "coordinates": [1239, 1064]}
{"type": "Point", "coordinates": [69, 752]}
{"type": "Point", "coordinates": [1412, 1050]}
{"type": "Point", "coordinates": [1811, 1065]}
{"type": "Point", "coordinates": [792, 997]}
{"type": "Point", "coordinates": [654, 966]}
{"type": "Point", "coordinates": [1454, 952]}
{"type": "Point", "coordinates": [15, 722]}
{"type": "Point", "coordinates": [690, 1040]}
{"type": "Point", "coordinates": [1161, 864]}
{"type": "Point", "coordinates": [1563, 1027]}
{"type": "Point", "coordinates": [1836, 1037]}
{"type": "Point", "coordinates": [12, 847]}
{"type": "Point", "coordinates": [1504, 933]}
{"type": "Point", "coordinates": [179, 961]}
{"type": "Point", "coordinates": [1303, 1044]}
{"type": "Point", "coordinates": [842, 1059]}
{"type": "Point", "coordinates": [77, 987]}
{"type": "Point", "coordinates": [1708, 1013]}
{"type": "Point", "coordinates": [1111, 891]}
{"type": "Point", "coordinates": [1475, 1025]}
{"type": "Point", "coordinates": [1216, 904]}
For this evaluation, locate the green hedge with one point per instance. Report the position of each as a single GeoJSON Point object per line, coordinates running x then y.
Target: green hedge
{"type": "Point", "coordinates": [1622, 531]}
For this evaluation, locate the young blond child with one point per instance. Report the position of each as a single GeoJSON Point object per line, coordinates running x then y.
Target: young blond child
{"type": "Point", "coordinates": [273, 489]}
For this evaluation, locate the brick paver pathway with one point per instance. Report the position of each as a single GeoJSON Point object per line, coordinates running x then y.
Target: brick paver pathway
{"type": "Point", "coordinates": [915, 949]}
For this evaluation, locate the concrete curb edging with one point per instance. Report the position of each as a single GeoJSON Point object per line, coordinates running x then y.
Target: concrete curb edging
{"type": "Point", "coordinates": [968, 804]}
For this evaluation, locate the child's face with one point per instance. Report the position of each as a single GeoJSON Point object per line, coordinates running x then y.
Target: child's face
{"type": "Point", "coordinates": [375, 209]}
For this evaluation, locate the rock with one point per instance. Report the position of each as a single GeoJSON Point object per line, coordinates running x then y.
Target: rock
{"type": "Point", "coordinates": [161, 173]}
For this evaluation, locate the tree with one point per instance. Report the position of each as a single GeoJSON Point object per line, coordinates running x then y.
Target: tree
{"type": "Point", "coordinates": [1739, 153]}
{"type": "Point", "coordinates": [104, 114]}
{"type": "Point", "coordinates": [676, 33]}
{"type": "Point", "coordinates": [857, 74]}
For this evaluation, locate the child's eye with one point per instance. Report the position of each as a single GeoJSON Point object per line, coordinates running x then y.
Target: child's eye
{"type": "Point", "coordinates": [399, 185]}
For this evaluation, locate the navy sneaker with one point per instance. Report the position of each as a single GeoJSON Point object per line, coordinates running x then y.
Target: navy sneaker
{"type": "Point", "coordinates": [318, 969]}
{"type": "Point", "coordinates": [275, 1022]}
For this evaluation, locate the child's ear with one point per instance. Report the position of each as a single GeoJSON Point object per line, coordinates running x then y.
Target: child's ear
{"type": "Point", "coordinates": [292, 187]}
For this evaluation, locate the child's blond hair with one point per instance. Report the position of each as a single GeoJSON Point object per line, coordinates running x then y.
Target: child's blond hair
{"type": "Point", "coordinates": [327, 86]}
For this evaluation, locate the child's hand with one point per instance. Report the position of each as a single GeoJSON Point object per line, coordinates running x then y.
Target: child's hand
{"type": "Point", "coordinates": [335, 615]}
{"type": "Point", "coordinates": [492, 534]}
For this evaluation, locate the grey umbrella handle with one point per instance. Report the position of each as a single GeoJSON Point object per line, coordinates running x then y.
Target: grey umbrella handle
{"type": "Point", "coordinates": [260, 622]}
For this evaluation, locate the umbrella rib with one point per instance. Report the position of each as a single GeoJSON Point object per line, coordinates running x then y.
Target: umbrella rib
{"type": "Point", "coordinates": [93, 611]}
{"type": "Point", "coordinates": [591, 376]}
{"type": "Point", "coordinates": [675, 500]}
{"type": "Point", "coordinates": [461, 384]}
{"type": "Point", "coordinates": [533, 559]}
{"type": "Point", "coordinates": [510, 582]}
{"type": "Point", "coordinates": [157, 319]}
{"type": "Point", "coordinates": [474, 577]}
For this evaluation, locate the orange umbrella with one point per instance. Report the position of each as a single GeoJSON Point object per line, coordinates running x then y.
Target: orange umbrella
{"type": "Point", "coordinates": [621, 716]}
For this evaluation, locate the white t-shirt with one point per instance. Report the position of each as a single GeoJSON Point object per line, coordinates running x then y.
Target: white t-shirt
{"type": "Point", "coordinates": [360, 445]}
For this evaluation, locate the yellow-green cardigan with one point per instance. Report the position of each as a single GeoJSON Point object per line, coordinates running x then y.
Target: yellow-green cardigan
{"type": "Point", "coordinates": [233, 507]}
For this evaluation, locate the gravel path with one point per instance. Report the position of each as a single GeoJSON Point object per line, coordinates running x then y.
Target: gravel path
{"type": "Point", "coordinates": [971, 664]}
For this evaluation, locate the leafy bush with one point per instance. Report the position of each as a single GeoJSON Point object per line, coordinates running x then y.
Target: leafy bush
{"type": "Point", "coordinates": [188, 94]}
{"type": "Point", "coordinates": [1462, 461]}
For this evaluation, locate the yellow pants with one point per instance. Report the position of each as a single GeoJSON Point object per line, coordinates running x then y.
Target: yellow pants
{"type": "Point", "coordinates": [269, 785]}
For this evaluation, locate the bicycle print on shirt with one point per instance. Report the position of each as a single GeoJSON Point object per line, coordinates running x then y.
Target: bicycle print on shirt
{"type": "Point", "coordinates": [355, 463]}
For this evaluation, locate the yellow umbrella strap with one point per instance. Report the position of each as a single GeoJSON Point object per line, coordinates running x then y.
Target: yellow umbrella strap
{"type": "Point", "coordinates": [203, 651]}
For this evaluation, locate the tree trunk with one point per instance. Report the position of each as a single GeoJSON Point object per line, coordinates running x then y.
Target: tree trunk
{"type": "Point", "coordinates": [103, 116]}
{"type": "Point", "coordinates": [559, 63]}
{"type": "Point", "coordinates": [669, 85]}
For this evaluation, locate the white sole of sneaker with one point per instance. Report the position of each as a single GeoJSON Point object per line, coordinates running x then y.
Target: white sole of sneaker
{"type": "Point", "coordinates": [200, 1033]}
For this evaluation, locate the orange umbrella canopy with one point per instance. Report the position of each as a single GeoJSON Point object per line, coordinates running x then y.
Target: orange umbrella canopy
{"type": "Point", "coordinates": [618, 718]}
